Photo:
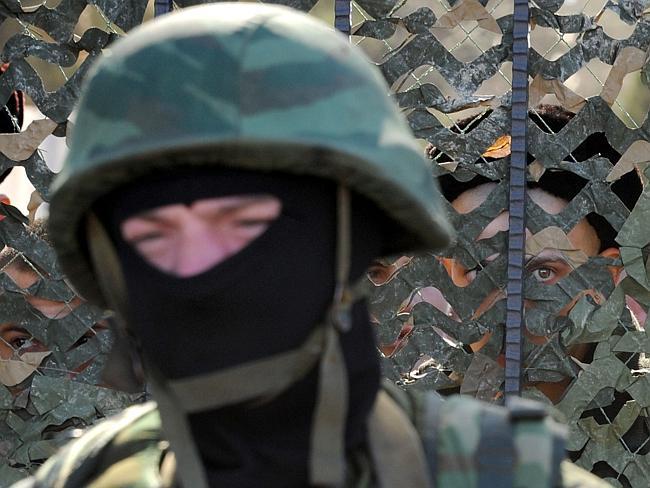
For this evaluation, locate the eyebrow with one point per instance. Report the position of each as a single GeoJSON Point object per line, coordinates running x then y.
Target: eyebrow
{"type": "Point", "coordinates": [552, 256]}
{"type": "Point", "coordinates": [242, 201]}
{"type": "Point", "coordinates": [12, 328]}
{"type": "Point", "coordinates": [152, 216]}
{"type": "Point", "coordinates": [149, 215]}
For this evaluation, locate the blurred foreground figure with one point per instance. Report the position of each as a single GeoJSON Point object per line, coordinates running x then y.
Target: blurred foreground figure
{"type": "Point", "coordinates": [225, 209]}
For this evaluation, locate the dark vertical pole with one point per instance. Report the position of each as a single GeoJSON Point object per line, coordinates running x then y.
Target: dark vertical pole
{"type": "Point", "coordinates": [517, 201]}
{"type": "Point", "coordinates": [161, 7]}
{"type": "Point", "coordinates": [343, 16]}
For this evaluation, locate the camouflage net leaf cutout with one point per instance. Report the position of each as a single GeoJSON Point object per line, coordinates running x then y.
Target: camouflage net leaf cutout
{"type": "Point", "coordinates": [441, 317]}
{"type": "Point", "coordinates": [52, 345]}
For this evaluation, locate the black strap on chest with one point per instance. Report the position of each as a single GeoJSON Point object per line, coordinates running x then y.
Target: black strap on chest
{"type": "Point", "coordinates": [499, 450]}
{"type": "Point", "coordinates": [495, 457]}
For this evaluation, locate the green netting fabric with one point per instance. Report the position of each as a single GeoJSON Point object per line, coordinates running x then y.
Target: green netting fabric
{"type": "Point", "coordinates": [52, 345]}
{"type": "Point", "coordinates": [441, 318]}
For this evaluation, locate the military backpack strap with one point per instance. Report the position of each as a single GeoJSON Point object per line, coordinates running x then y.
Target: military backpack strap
{"type": "Point", "coordinates": [130, 440]}
{"type": "Point", "coordinates": [495, 454]}
{"type": "Point", "coordinates": [463, 438]}
{"type": "Point", "coordinates": [470, 444]}
{"type": "Point", "coordinates": [395, 446]}
{"type": "Point", "coordinates": [539, 442]}
{"type": "Point", "coordinates": [425, 413]}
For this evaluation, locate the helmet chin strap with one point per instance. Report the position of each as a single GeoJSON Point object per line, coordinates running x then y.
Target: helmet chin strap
{"type": "Point", "coordinates": [263, 379]}
{"type": "Point", "coordinates": [120, 369]}
{"type": "Point", "coordinates": [327, 456]}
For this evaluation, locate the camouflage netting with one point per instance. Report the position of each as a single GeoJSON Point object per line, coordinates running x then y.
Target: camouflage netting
{"type": "Point", "coordinates": [52, 345]}
{"type": "Point", "coordinates": [441, 318]}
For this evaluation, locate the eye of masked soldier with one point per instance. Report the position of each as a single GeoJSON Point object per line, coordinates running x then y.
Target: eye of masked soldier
{"type": "Point", "coordinates": [185, 240]}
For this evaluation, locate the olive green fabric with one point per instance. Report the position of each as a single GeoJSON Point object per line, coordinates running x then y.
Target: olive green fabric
{"type": "Point", "coordinates": [130, 451]}
{"type": "Point", "coordinates": [268, 89]}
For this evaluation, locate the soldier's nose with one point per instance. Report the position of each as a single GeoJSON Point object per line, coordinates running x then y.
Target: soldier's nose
{"type": "Point", "coordinates": [199, 250]}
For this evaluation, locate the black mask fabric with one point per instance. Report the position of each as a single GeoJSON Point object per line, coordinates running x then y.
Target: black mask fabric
{"type": "Point", "coordinates": [264, 300]}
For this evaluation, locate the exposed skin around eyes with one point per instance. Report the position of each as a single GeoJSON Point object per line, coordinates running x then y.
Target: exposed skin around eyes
{"type": "Point", "coordinates": [187, 240]}
{"type": "Point", "coordinates": [547, 267]}
{"type": "Point", "coordinates": [15, 340]}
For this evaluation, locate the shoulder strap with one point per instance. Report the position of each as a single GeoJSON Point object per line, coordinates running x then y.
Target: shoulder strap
{"type": "Point", "coordinates": [425, 415]}
{"type": "Point", "coordinates": [539, 442]}
{"type": "Point", "coordinates": [135, 430]}
{"type": "Point", "coordinates": [395, 447]}
{"type": "Point", "coordinates": [495, 454]}
{"type": "Point", "coordinates": [471, 444]}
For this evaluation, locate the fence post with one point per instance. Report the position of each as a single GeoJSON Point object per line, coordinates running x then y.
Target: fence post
{"type": "Point", "coordinates": [343, 16]}
{"type": "Point", "coordinates": [517, 201]}
{"type": "Point", "coordinates": [162, 7]}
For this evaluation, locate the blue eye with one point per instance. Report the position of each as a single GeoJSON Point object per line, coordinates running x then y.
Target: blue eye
{"type": "Point", "coordinates": [21, 342]}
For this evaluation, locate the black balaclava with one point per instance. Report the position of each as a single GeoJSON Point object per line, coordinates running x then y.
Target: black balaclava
{"type": "Point", "coordinates": [264, 300]}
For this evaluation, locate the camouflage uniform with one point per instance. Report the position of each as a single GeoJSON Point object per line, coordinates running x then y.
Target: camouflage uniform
{"type": "Point", "coordinates": [268, 89]}
{"type": "Point", "coordinates": [467, 444]}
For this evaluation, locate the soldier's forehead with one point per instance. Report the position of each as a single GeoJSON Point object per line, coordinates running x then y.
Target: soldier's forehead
{"type": "Point", "coordinates": [582, 236]}
{"type": "Point", "coordinates": [21, 273]}
{"type": "Point", "coordinates": [472, 198]}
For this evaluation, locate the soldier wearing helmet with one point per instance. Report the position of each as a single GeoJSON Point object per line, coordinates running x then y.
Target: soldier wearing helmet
{"type": "Point", "coordinates": [226, 215]}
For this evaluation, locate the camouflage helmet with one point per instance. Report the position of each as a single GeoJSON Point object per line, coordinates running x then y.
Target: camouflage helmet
{"type": "Point", "coordinates": [259, 87]}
